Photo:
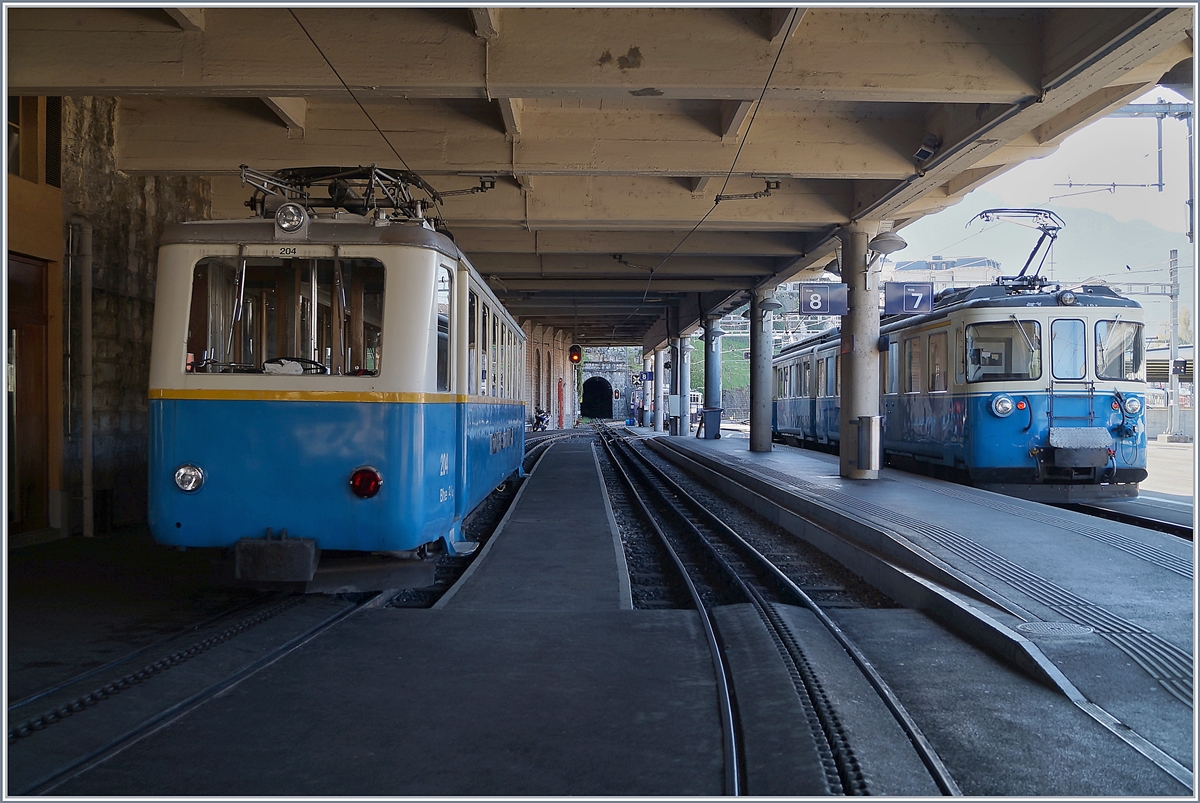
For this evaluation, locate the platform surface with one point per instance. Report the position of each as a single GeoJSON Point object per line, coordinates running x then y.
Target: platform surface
{"type": "Point", "coordinates": [1130, 589]}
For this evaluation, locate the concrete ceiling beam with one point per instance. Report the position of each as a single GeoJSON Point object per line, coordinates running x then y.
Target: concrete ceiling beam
{"type": "Point", "coordinates": [188, 19]}
{"type": "Point", "coordinates": [978, 55]}
{"type": "Point", "coordinates": [487, 22]}
{"type": "Point", "coordinates": [624, 142]}
{"type": "Point", "coordinates": [1098, 59]}
{"type": "Point", "coordinates": [783, 243]}
{"type": "Point", "coordinates": [291, 111]}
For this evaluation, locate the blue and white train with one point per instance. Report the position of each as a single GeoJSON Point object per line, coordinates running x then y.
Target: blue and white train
{"type": "Point", "coordinates": [1018, 389]}
{"type": "Point", "coordinates": [332, 370]}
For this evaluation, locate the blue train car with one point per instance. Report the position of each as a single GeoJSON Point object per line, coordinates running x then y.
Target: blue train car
{"type": "Point", "coordinates": [1021, 390]}
{"type": "Point", "coordinates": [344, 378]}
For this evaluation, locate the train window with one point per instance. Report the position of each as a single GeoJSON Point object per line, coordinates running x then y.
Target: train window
{"type": "Point", "coordinates": [835, 371]}
{"type": "Point", "coordinates": [819, 390]}
{"type": "Point", "coordinates": [1120, 353]}
{"type": "Point", "coordinates": [938, 362]}
{"type": "Point", "coordinates": [1001, 350]}
{"type": "Point", "coordinates": [805, 378]}
{"type": "Point", "coordinates": [893, 376]}
{"type": "Point", "coordinates": [485, 352]}
{"type": "Point", "coordinates": [1068, 352]}
{"type": "Point", "coordinates": [444, 293]}
{"type": "Point", "coordinates": [286, 316]}
{"type": "Point", "coordinates": [473, 343]}
{"type": "Point", "coordinates": [494, 384]}
{"type": "Point", "coordinates": [912, 365]}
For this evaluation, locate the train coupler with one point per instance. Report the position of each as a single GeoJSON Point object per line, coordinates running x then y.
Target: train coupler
{"type": "Point", "coordinates": [280, 559]}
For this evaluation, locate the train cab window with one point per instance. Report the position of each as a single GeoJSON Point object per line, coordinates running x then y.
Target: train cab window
{"type": "Point", "coordinates": [443, 296]}
{"type": "Point", "coordinates": [1120, 352]}
{"type": "Point", "coordinates": [1004, 350]}
{"type": "Point", "coordinates": [912, 365]}
{"type": "Point", "coordinates": [939, 362]}
{"type": "Point", "coordinates": [1068, 352]}
{"type": "Point", "coordinates": [286, 316]}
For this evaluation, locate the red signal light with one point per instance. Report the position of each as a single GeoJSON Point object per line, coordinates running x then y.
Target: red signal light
{"type": "Point", "coordinates": [365, 482]}
{"type": "Point", "coordinates": [575, 355]}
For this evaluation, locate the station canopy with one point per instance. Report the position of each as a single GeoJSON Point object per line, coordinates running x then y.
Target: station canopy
{"type": "Point", "coordinates": [635, 159]}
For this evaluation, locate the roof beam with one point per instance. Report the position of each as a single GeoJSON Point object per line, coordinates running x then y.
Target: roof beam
{"type": "Point", "coordinates": [545, 52]}
{"type": "Point", "coordinates": [291, 111]}
{"type": "Point", "coordinates": [188, 19]}
{"type": "Point", "coordinates": [631, 141]}
{"type": "Point", "coordinates": [487, 22]}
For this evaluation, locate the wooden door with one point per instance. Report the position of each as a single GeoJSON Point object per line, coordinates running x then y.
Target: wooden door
{"type": "Point", "coordinates": [28, 459]}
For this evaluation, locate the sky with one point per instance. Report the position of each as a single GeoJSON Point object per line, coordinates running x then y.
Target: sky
{"type": "Point", "coordinates": [1120, 235]}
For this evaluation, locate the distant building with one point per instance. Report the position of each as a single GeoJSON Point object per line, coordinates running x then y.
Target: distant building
{"type": "Point", "coordinates": [943, 271]}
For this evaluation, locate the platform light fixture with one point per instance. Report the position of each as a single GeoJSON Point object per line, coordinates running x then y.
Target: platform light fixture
{"type": "Point", "coordinates": [886, 242]}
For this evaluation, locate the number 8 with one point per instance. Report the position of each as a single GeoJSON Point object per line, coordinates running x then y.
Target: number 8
{"type": "Point", "coordinates": [815, 301]}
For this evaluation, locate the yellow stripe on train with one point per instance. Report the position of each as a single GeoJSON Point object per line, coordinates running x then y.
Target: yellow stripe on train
{"type": "Point", "coordinates": [211, 394]}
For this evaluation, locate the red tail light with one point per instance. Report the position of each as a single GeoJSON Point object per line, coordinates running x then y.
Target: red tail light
{"type": "Point", "coordinates": [365, 482]}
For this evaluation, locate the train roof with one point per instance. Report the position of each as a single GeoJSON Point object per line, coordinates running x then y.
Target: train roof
{"type": "Point", "coordinates": [985, 297]}
{"type": "Point", "coordinates": [340, 228]}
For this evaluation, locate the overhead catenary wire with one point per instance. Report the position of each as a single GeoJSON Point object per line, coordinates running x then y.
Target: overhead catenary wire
{"type": "Point", "coordinates": [352, 95]}
{"type": "Point", "coordinates": [787, 35]}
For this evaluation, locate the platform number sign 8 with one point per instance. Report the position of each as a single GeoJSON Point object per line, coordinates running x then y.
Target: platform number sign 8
{"type": "Point", "coordinates": [823, 299]}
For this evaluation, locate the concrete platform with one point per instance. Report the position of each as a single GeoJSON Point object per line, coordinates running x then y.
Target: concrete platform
{"type": "Point", "coordinates": [533, 677]}
{"type": "Point", "coordinates": [1101, 612]}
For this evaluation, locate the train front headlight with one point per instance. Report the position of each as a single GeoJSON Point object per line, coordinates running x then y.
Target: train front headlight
{"type": "Point", "coordinates": [189, 478]}
{"type": "Point", "coordinates": [1133, 405]}
{"type": "Point", "coordinates": [290, 217]}
{"type": "Point", "coordinates": [1003, 405]}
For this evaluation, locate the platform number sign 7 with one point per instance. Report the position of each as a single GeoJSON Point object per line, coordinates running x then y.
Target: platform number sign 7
{"type": "Point", "coordinates": [907, 297]}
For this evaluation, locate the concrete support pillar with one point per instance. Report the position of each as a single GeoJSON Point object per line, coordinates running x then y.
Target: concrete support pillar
{"type": "Point", "coordinates": [659, 386]}
{"type": "Point", "coordinates": [675, 427]}
{"type": "Point", "coordinates": [685, 384]}
{"type": "Point", "coordinates": [762, 324]}
{"type": "Point", "coordinates": [859, 347]}
{"type": "Point", "coordinates": [712, 364]}
{"type": "Point", "coordinates": [647, 392]}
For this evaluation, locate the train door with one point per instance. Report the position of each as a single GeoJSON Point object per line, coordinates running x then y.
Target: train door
{"type": "Point", "coordinates": [28, 421]}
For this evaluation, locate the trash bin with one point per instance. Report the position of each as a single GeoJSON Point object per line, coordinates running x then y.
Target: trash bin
{"type": "Point", "coordinates": [868, 442]}
{"type": "Point", "coordinates": [710, 423]}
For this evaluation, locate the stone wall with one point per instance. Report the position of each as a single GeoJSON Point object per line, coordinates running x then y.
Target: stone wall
{"type": "Point", "coordinates": [128, 214]}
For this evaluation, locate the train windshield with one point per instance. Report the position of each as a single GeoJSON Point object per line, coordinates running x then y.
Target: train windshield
{"type": "Point", "coordinates": [1004, 350]}
{"type": "Point", "coordinates": [286, 316]}
{"type": "Point", "coordinates": [1119, 351]}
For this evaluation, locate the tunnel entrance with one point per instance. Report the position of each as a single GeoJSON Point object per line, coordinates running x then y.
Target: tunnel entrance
{"type": "Point", "coordinates": [597, 399]}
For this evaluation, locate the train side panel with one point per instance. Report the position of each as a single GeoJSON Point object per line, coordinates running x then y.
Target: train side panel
{"type": "Point", "coordinates": [495, 445]}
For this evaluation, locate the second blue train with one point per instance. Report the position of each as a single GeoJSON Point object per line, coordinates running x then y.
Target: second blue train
{"type": "Point", "coordinates": [1016, 388]}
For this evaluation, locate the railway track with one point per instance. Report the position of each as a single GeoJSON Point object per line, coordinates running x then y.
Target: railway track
{"type": "Point", "coordinates": [1149, 522]}
{"type": "Point", "coordinates": [75, 732]}
{"type": "Point", "coordinates": [720, 567]}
